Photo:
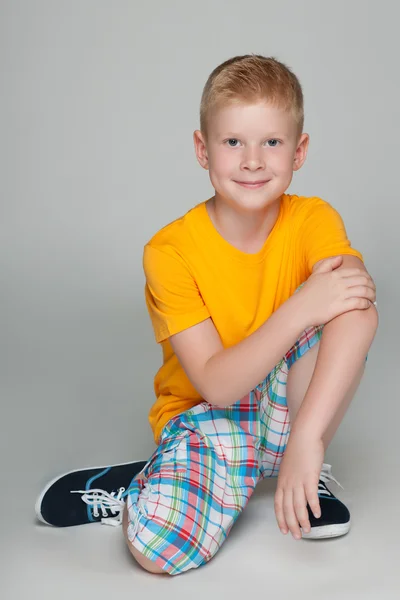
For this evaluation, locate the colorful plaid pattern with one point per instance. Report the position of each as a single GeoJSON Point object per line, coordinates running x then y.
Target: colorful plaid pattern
{"type": "Point", "coordinates": [184, 503]}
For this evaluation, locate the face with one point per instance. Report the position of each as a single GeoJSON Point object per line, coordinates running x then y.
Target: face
{"type": "Point", "coordinates": [246, 144]}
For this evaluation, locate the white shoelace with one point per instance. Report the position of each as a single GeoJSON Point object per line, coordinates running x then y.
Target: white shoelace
{"type": "Point", "coordinates": [105, 501]}
{"type": "Point", "coordinates": [113, 502]}
{"type": "Point", "coordinates": [326, 476]}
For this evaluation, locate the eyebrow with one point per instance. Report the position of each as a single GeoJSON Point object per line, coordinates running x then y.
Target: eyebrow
{"type": "Point", "coordinates": [230, 134]}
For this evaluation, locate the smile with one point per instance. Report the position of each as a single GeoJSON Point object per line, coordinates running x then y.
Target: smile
{"type": "Point", "coordinates": [250, 185]}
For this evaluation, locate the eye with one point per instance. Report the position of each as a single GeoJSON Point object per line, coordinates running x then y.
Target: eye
{"type": "Point", "coordinates": [274, 143]}
{"type": "Point", "coordinates": [232, 140]}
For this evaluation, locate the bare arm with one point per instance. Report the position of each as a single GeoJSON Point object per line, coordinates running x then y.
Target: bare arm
{"type": "Point", "coordinates": [343, 348]}
{"type": "Point", "coordinates": [223, 376]}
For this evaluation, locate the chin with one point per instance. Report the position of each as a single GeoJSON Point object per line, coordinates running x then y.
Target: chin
{"type": "Point", "coordinates": [252, 205]}
{"type": "Point", "coordinates": [253, 200]}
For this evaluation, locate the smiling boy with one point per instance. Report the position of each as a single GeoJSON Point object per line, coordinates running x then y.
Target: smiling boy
{"type": "Point", "coordinates": [265, 316]}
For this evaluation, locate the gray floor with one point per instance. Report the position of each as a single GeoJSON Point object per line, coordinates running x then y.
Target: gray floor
{"type": "Point", "coordinates": [93, 562]}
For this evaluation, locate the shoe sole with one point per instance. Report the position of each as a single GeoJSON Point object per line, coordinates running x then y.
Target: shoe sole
{"type": "Point", "coordinates": [327, 531]}
{"type": "Point", "coordinates": [52, 482]}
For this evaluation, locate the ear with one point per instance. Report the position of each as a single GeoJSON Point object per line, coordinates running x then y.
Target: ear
{"type": "Point", "coordinates": [200, 148]}
{"type": "Point", "coordinates": [301, 151]}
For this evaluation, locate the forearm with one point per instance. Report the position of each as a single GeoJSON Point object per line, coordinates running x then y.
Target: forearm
{"type": "Point", "coordinates": [343, 348]}
{"type": "Point", "coordinates": [233, 372]}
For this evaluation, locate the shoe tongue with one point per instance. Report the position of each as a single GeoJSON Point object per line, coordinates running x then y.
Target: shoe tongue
{"type": "Point", "coordinates": [325, 491]}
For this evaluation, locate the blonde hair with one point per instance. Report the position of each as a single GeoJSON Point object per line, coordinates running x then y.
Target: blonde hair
{"type": "Point", "coordinates": [252, 78]}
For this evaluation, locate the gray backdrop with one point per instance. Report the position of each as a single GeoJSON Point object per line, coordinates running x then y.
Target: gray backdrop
{"type": "Point", "coordinates": [98, 104]}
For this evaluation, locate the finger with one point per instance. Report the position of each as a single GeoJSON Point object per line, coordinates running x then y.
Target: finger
{"type": "Point", "coordinates": [300, 507]}
{"type": "Point", "coordinates": [356, 303]}
{"type": "Point", "coordinates": [350, 272]}
{"type": "Point", "coordinates": [329, 264]}
{"type": "Point", "coordinates": [361, 291]}
{"type": "Point", "coordinates": [359, 280]}
{"type": "Point", "coordinates": [280, 517]}
{"type": "Point", "coordinates": [311, 491]}
{"type": "Point", "coordinates": [290, 515]}
{"type": "Point", "coordinates": [353, 272]}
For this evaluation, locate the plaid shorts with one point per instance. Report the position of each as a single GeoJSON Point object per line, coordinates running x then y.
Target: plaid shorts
{"type": "Point", "coordinates": [185, 501]}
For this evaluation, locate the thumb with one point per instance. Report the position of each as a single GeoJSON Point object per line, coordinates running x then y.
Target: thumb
{"type": "Point", "coordinates": [329, 264]}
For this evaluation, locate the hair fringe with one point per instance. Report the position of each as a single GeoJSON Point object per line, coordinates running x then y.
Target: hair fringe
{"type": "Point", "coordinates": [250, 78]}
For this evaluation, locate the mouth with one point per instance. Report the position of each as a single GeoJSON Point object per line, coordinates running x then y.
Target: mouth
{"type": "Point", "coordinates": [252, 185]}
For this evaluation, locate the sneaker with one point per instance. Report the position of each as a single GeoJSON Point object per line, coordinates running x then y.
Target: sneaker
{"type": "Point", "coordinates": [87, 496]}
{"type": "Point", "coordinates": [335, 516]}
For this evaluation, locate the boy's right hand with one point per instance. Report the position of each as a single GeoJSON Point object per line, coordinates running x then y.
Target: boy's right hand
{"type": "Point", "coordinates": [330, 291]}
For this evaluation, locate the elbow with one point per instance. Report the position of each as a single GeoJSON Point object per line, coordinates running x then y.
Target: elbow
{"type": "Point", "coordinates": [217, 399]}
{"type": "Point", "coordinates": [215, 396]}
{"type": "Point", "coordinates": [213, 389]}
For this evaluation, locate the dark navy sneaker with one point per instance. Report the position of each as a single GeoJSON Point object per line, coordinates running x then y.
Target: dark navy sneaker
{"type": "Point", "coordinates": [335, 517]}
{"type": "Point", "coordinates": [87, 496]}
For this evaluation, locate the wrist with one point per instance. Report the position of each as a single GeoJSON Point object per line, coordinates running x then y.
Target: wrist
{"type": "Point", "coordinates": [306, 431]}
{"type": "Point", "coordinates": [299, 310]}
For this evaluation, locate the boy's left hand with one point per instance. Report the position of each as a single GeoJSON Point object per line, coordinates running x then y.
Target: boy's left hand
{"type": "Point", "coordinates": [298, 483]}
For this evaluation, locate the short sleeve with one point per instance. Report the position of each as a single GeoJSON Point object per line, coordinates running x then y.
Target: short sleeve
{"type": "Point", "coordinates": [172, 295]}
{"type": "Point", "coordinates": [323, 234]}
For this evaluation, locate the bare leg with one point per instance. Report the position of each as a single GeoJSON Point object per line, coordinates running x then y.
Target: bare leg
{"type": "Point", "coordinates": [143, 561]}
{"type": "Point", "coordinates": [299, 378]}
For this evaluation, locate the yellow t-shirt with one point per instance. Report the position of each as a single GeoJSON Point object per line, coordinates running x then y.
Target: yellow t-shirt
{"type": "Point", "coordinates": [193, 273]}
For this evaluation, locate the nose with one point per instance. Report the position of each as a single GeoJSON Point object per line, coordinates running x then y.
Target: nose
{"type": "Point", "coordinates": [253, 160]}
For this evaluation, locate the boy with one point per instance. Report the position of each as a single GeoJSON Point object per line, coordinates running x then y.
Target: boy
{"type": "Point", "coordinates": [265, 315]}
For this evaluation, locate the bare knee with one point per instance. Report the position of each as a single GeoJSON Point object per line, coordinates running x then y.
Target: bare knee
{"type": "Point", "coordinates": [143, 561]}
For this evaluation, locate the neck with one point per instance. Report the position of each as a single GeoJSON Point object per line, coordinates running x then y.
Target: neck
{"type": "Point", "coordinates": [246, 230]}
